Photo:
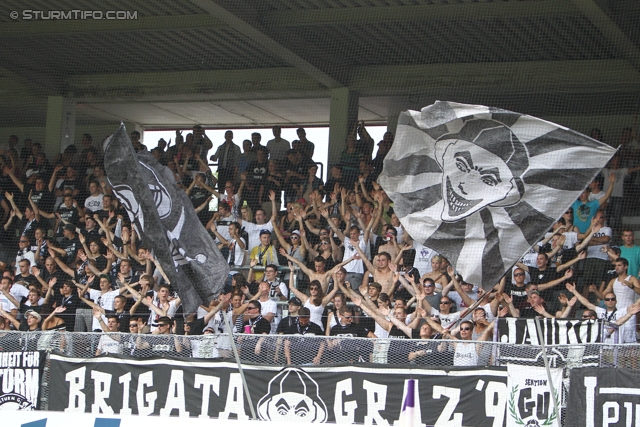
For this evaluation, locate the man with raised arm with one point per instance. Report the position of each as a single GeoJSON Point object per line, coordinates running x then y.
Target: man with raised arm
{"type": "Point", "coordinates": [320, 274]}
{"type": "Point", "coordinates": [354, 268]}
{"type": "Point", "coordinates": [254, 230]}
{"type": "Point", "coordinates": [609, 314]}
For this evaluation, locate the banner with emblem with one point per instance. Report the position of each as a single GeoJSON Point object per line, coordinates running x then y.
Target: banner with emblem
{"type": "Point", "coordinates": [353, 394]}
{"type": "Point", "coordinates": [531, 396]}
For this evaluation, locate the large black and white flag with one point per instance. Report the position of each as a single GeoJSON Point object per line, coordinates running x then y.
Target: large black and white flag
{"type": "Point", "coordinates": [481, 185]}
{"type": "Point", "coordinates": [166, 221]}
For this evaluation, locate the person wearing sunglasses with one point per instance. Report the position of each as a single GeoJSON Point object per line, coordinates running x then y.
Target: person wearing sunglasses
{"type": "Point", "coordinates": [443, 312]}
{"type": "Point", "coordinates": [626, 287]}
{"type": "Point", "coordinates": [613, 316]}
{"type": "Point", "coordinates": [162, 341]}
{"type": "Point", "coordinates": [347, 350]}
{"type": "Point", "coordinates": [293, 248]}
{"type": "Point", "coordinates": [327, 249]}
{"type": "Point", "coordinates": [466, 351]}
{"type": "Point", "coordinates": [252, 330]}
{"type": "Point", "coordinates": [517, 288]}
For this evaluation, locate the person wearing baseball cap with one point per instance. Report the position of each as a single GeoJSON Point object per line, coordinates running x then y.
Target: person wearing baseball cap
{"type": "Point", "coordinates": [33, 321]}
{"type": "Point", "coordinates": [265, 253]}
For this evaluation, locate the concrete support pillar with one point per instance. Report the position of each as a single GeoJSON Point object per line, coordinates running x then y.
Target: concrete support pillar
{"type": "Point", "coordinates": [343, 114]}
{"type": "Point", "coordinates": [396, 106]}
{"type": "Point", "coordinates": [60, 126]}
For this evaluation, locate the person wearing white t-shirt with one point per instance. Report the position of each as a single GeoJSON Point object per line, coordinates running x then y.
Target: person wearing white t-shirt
{"type": "Point", "coordinates": [104, 297]}
{"type": "Point", "coordinates": [108, 344]}
{"type": "Point", "coordinates": [94, 201]}
{"type": "Point", "coordinates": [423, 255]}
{"type": "Point", "coordinates": [168, 306]}
{"type": "Point", "coordinates": [253, 229]}
{"type": "Point", "coordinates": [222, 219]}
{"type": "Point", "coordinates": [7, 305]}
{"type": "Point", "coordinates": [24, 254]}
{"type": "Point", "coordinates": [595, 188]}
{"type": "Point", "coordinates": [278, 147]}
{"type": "Point", "coordinates": [235, 244]}
{"type": "Point", "coordinates": [268, 307]}
{"type": "Point", "coordinates": [355, 269]}
{"type": "Point", "coordinates": [443, 313]}
{"type": "Point", "coordinates": [626, 289]}
{"type": "Point", "coordinates": [610, 314]}
{"type": "Point", "coordinates": [18, 291]}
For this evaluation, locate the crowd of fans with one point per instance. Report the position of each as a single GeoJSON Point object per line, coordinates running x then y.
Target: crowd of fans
{"type": "Point", "coordinates": [335, 262]}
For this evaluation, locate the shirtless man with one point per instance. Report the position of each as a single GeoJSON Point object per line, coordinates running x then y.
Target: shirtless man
{"type": "Point", "coordinates": [381, 272]}
{"type": "Point", "coordinates": [320, 274]}
{"type": "Point", "coordinates": [391, 246]}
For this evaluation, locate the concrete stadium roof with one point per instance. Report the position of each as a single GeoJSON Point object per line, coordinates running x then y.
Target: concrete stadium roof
{"type": "Point", "coordinates": [263, 62]}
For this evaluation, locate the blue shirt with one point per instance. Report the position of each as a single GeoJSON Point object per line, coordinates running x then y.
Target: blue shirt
{"type": "Point", "coordinates": [632, 255]}
{"type": "Point", "coordinates": [583, 212]}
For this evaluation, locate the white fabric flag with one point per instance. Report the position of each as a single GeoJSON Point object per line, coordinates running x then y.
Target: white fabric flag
{"type": "Point", "coordinates": [480, 185]}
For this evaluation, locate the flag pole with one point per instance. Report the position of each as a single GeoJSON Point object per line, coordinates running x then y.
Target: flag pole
{"type": "Point", "coordinates": [235, 354]}
{"type": "Point", "coordinates": [556, 405]}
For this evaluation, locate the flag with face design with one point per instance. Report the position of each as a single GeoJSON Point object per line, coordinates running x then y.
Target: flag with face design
{"type": "Point", "coordinates": [481, 185]}
{"type": "Point", "coordinates": [165, 220]}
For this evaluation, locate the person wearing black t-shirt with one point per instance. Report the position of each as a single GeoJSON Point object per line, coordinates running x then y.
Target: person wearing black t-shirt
{"type": "Point", "coordinates": [162, 341]}
{"type": "Point", "coordinates": [517, 289]}
{"type": "Point", "coordinates": [36, 189]}
{"type": "Point", "coordinates": [69, 183]}
{"type": "Point", "coordinates": [29, 220]}
{"type": "Point", "coordinates": [544, 276]}
{"type": "Point", "coordinates": [348, 350]}
{"type": "Point", "coordinates": [424, 351]}
{"type": "Point", "coordinates": [69, 245]}
{"type": "Point", "coordinates": [285, 324]}
{"type": "Point", "coordinates": [255, 324]}
{"type": "Point", "coordinates": [534, 301]}
{"type": "Point", "coordinates": [256, 177]}
{"type": "Point", "coordinates": [299, 350]}
{"type": "Point", "coordinates": [199, 192]}
{"type": "Point", "coordinates": [69, 299]}
{"type": "Point", "coordinates": [67, 213]}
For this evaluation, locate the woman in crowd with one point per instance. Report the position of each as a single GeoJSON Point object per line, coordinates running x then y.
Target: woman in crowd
{"type": "Point", "coordinates": [436, 274]}
{"type": "Point", "coordinates": [315, 301]}
{"type": "Point", "coordinates": [339, 301]}
{"type": "Point", "coordinates": [466, 351]}
{"type": "Point", "coordinates": [326, 249]}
